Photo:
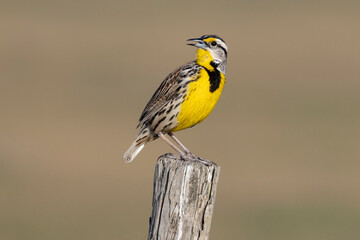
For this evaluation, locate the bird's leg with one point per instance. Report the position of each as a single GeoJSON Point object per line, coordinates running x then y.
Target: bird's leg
{"type": "Point", "coordinates": [188, 155]}
{"type": "Point", "coordinates": [170, 143]}
{"type": "Point", "coordinates": [187, 151]}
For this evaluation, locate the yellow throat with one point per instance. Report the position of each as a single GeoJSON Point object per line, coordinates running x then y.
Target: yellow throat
{"type": "Point", "coordinates": [204, 58]}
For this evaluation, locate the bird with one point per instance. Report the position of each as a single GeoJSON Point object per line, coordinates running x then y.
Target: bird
{"type": "Point", "coordinates": [184, 98]}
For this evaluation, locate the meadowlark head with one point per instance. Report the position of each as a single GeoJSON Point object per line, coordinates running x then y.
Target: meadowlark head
{"type": "Point", "coordinates": [212, 52]}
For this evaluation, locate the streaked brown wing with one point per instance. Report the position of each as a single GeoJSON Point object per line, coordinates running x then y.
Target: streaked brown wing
{"type": "Point", "coordinates": [166, 91]}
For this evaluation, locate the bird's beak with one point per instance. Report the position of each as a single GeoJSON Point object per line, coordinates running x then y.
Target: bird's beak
{"type": "Point", "coordinates": [197, 42]}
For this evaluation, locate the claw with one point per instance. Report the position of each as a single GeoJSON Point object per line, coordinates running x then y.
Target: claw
{"type": "Point", "coordinates": [193, 158]}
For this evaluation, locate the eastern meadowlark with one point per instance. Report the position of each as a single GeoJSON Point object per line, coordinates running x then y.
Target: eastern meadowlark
{"type": "Point", "coordinates": [185, 97]}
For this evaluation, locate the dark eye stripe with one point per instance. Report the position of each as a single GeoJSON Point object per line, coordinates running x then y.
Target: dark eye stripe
{"type": "Point", "coordinates": [219, 45]}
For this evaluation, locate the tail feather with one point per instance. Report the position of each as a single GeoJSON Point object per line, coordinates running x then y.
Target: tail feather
{"type": "Point", "coordinates": [133, 151]}
{"type": "Point", "coordinates": [137, 145]}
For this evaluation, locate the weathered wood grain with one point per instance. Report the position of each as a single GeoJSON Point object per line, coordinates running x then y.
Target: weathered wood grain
{"type": "Point", "coordinates": [183, 199]}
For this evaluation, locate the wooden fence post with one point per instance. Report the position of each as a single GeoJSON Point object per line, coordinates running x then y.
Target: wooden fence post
{"type": "Point", "coordinates": [183, 199]}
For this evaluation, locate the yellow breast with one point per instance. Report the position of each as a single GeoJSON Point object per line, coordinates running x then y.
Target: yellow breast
{"type": "Point", "coordinates": [199, 101]}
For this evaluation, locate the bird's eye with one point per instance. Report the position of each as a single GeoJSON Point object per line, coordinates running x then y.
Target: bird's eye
{"type": "Point", "coordinates": [213, 43]}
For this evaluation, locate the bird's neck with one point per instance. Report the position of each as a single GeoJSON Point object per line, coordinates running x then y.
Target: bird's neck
{"type": "Point", "coordinates": [204, 59]}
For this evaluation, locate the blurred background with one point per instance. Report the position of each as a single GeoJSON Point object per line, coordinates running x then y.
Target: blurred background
{"type": "Point", "coordinates": [76, 75]}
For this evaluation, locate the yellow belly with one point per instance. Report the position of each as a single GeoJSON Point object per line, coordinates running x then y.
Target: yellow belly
{"type": "Point", "coordinates": [199, 101]}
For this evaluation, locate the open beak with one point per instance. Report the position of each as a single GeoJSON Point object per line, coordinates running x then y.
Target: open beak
{"type": "Point", "coordinates": [197, 42]}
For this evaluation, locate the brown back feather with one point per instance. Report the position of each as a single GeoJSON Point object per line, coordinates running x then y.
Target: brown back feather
{"type": "Point", "coordinates": [165, 92]}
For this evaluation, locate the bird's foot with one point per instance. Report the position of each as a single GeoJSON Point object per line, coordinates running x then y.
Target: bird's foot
{"type": "Point", "coordinates": [192, 157]}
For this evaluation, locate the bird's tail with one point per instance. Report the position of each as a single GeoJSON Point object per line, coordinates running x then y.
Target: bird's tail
{"type": "Point", "coordinates": [133, 151]}
{"type": "Point", "coordinates": [137, 145]}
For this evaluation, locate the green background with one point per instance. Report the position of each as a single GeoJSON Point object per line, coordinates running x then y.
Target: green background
{"type": "Point", "coordinates": [75, 76]}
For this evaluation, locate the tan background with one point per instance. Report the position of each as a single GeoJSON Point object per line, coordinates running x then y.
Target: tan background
{"type": "Point", "coordinates": [75, 76]}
